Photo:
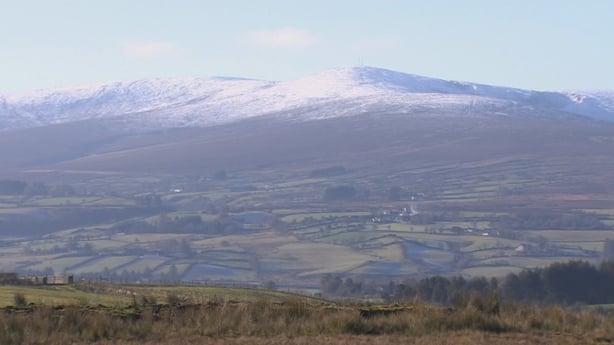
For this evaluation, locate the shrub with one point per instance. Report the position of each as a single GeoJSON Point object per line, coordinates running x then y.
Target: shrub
{"type": "Point", "coordinates": [20, 299]}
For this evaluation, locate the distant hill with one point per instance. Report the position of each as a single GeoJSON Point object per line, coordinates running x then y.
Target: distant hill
{"type": "Point", "coordinates": [170, 103]}
{"type": "Point", "coordinates": [349, 116]}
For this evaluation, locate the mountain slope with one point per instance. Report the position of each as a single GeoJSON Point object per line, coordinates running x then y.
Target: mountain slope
{"type": "Point", "coordinates": [169, 103]}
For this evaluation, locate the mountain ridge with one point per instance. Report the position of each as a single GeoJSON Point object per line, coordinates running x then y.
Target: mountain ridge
{"type": "Point", "coordinates": [183, 102]}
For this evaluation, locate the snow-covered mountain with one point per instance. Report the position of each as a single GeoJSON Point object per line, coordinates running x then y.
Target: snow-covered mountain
{"type": "Point", "coordinates": [167, 103]}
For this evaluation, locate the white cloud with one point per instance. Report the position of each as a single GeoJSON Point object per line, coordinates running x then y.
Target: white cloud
{"type": "Point", "coordinates": [148, 50]}
{"type": "Point", "coordinates": [284, 37]}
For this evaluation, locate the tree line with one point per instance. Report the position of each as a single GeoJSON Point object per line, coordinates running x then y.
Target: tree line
{"type": "Point", "coordinates": [564, 283]}
{"type": "Point", "coordinates": [573, 282]}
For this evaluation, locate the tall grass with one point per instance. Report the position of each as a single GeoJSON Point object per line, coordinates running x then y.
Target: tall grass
{"type": "Point", "coordinates": [180, 322]}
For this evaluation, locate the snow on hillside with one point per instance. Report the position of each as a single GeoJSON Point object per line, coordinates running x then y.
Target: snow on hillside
{"type": "Point", "coordinates": [72, 104]}
{"type": "Point", "coordinates": [338, 92]}
{"type": "Point", "coordinates": [598, 104]}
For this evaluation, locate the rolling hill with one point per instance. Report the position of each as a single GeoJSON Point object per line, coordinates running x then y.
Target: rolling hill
{"type": "Point", "coordinates": [488, 168]}
{"type": "Point", "coordinates": [237, 123]}
{"type": "Point", "coordinates": [168, 103]}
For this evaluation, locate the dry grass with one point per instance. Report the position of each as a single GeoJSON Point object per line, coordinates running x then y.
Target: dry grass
{"type": "Point", "coordinates": [459, 338]}
{"type": "Point", "coordinates": [296, 321]}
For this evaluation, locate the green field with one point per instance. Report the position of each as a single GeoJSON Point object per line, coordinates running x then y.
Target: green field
{"type": "Point", "coordinates": [464, 218]}
{"type": "Point", "coordinates": [122, 295]}
{"type": "Point", "coordinates": [62, 295]}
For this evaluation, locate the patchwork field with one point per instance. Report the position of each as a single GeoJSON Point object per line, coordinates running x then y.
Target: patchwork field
{"type": "Point", "coordinates": [421, 207]}
{"type": "Point", "coordinates": [303, 247]}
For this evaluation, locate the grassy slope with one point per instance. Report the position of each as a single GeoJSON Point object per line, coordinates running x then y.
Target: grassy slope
{"type": "Point", "coordinates": [59, 295]}
{"type": "Point", "coordinates": [249, 316]}
{"type": "Point", "coordinates": [122, 295]}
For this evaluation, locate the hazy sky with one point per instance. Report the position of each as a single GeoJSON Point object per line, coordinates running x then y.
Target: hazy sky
{"type": "Point", "coordinates": [557, 44]}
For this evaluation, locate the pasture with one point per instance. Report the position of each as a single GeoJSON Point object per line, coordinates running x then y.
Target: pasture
{"type": "Point", "coordinates": [450, 219]}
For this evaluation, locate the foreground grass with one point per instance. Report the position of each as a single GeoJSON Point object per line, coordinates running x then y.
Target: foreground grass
{"type": "Point", "coordinates": [179, 319]}
{"type": "Point", "coordinates": [455, 338]}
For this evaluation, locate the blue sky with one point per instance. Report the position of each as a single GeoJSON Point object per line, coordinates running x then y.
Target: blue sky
{"type": "Point", "coordinates": [544, 45]}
